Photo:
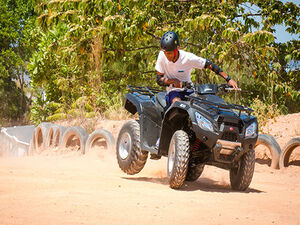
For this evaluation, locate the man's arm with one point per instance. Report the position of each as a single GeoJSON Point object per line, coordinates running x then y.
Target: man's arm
{"type": "Point", "coordinates": [209, 64]}
{"type": "Point", "coordinates": [163, 81]}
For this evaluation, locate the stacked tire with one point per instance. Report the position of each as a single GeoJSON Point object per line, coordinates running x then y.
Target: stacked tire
{"type": "Point", "coordinates": [40, 137]}
{"type": "Point", "coordinates": [37, 144]}
{"type": "Point", "coordinates": [279, 159]}
{"type": "Point", "coordinates": [100, 137]}
{"type": "Point", "coordinates": [273, 147]}
{"type": "Point", "coordinates": [54, 137]}
{"type": "Point", "coordinates": [48, 135]}
{"type": "Point", "coordinates": [287, 151]}
{"type": "Point", "coordinates": [74, 136]}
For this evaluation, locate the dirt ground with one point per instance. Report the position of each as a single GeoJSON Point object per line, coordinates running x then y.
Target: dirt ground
{"type": "Point", "coordinates": [69, 188]}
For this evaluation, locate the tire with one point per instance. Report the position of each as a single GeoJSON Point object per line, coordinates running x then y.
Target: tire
{"type": "Point", "coordinates": [178, 159]}
{"type": "Point", "coordinates": [41, 133]}
{"type": "Point", "coordinates": [58, 135]}
{"type": "Point", "coordinates": [193, 173]}
{"type": "Point", "coordinates": [240, 178]}
{"type": "Point", "coordinates": [49, 143]}
{"type": "Point", "coordinates": [100, 134]}
{"type": "Point", "coordinates": [274, 148]}
{"type": "Point", "coordinates": [74, 132]}
{"type": "Point", "coordinates": [131, 158]}
{"type": "Point", "coordinates": [287, 151]}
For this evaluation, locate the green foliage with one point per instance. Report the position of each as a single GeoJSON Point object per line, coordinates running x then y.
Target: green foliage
{"type": "Point", "coordinates": [264, 112]}
{"type": "Point", "coordinates": [57, 116]}
{"type": "Point", "coordinates": [115, 111]}
{"type": "Point", "coordinates": [41, 109]}
{"type": "Point", "coordinates": [16, 16]}
{"type": "Point", "coordinates": [90, 50]}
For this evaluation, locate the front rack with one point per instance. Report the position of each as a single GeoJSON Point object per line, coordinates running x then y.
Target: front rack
{"type": "Point", "coordinates": [220, 106]}
{"type": "Point", "coordinates": [144, 90]}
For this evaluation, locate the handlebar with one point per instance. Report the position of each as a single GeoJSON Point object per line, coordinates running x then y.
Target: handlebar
{"type": "Point", "coordinates": [187, 85]}
{"type": "Point", "coordinates": [213, 88]}
{"type": "Point", "coordinates": [232, 89]}
{"type": "Point", "coordinates": [227, 87]}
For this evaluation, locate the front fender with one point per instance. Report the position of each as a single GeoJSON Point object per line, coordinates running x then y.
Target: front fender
{"type": "Point", "coordinates": [132, 104]}
{"type": "Point", "coordinates": [176, 118]}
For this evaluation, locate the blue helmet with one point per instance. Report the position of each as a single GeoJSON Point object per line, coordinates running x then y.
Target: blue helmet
{"type": "Point", "coordinates": [169, 41]}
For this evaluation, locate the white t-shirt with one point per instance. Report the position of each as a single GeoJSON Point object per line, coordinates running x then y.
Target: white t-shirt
{"type": "Point", "coordinates": [181, 69]}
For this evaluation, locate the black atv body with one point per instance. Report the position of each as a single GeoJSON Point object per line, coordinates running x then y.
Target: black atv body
{"type": "Point", "coordinates": [212, 132]}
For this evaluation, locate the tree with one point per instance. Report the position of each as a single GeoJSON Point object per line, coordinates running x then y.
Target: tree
{"type": "Point", "coordinates": [15, 18]}
{"type": "Point", "coordinates": [98, 47]}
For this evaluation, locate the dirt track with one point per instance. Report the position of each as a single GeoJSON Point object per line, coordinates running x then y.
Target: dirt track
{"type": "Point", "coordinates": [72, 189]}
{"type": "Point", "coordinates": [68, 188]}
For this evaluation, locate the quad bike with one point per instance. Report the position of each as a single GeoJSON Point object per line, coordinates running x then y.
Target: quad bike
{"type": "Point", "coordinates": [200, 130]}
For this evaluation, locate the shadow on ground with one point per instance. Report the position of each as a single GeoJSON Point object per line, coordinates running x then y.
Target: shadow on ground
{"type": "Point", "coordinates": [202, 184]}
{"type": "Point", "coordinates": [294, 163]}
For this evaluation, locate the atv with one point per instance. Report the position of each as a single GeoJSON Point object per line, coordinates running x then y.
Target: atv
{"type": "Point", "coordinates": [197, 131]}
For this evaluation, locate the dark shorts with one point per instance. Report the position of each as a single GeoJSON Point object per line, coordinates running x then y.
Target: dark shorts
{"type": "Point", "coordinates": [179, 94]}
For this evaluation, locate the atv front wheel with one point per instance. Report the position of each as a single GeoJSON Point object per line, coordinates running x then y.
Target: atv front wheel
{"type": "Point", "coordinates": [194, 172]}
{"type": "Point", "coordinates": [131, 158]}
{"type": "Point", "coordinates": [241, 176]}
{"type": "Point", "coordinates": [178, 158]}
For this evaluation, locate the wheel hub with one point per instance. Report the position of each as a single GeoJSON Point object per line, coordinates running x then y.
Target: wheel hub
{"type": "Point", "coordinates": [125, 145]}
{"type": "Point", "coordinates": [171, 157]}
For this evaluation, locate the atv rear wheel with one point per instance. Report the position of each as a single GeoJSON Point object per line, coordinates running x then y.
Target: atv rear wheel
{"type": "Point", "coordinates": [241, 176]}
{"type": "Point", "coordinates": [178, 158]}
{"type": "Point", "coordinates": [131, 158]}
{"type": "Point", "coordinates": [194, 172]}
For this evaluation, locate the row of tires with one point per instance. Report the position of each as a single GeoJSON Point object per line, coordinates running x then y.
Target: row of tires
{"type": "Point", "coordinates": [279, 158]}
{"type": "Point", "coordinates": [48, 135]}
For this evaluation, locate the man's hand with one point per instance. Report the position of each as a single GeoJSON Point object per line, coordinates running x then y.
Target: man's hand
{"type": "Point", "coordinates": [233, 84]}
{"type": "Point", "coordinates": [186, 84]}
{"type": "Point", "coordinates": [176, 83]}
{"type": "Point", "coordinates": [230, 82]}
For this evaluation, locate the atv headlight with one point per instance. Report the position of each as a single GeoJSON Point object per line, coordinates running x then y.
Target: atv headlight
{"type": "Point", "coordinates": [203, 122]}
{"type": "Point", "coordinates": [251, 129]}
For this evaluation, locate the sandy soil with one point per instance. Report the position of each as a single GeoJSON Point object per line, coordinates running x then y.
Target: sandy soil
{"type": "Point", "coordinates": [283, 128]}
{"type": "Point", "coordinates": [68, 188]}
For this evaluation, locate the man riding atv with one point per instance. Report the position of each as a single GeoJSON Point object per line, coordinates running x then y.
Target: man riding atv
{"type": "Point", "coordinates": [193, 127]}
{"type": "Point", "coordinates": [174, 67]}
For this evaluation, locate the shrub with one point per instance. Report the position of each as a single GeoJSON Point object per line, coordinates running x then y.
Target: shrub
{"type": "Point", "coordinates": [264, 111]}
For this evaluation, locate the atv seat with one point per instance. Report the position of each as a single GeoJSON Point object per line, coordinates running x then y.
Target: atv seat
{"type": "Point", "coordinates": [161, 99]}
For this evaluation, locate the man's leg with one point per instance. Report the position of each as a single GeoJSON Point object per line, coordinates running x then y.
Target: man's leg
{"type": "Point", "coordinates": [176, 99]}
{"type": "Point", "coordinates": [180, 95]}
{"type": "Point", "coordinates": [172, 97]}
